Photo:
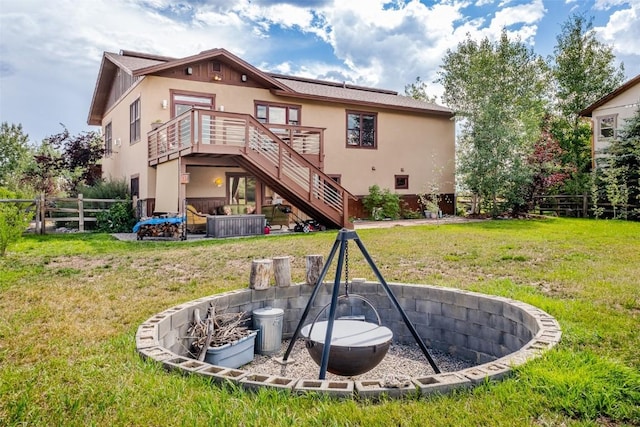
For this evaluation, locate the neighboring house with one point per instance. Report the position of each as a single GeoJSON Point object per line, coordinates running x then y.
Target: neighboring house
{"type": "Point", "coordinates": [608, 114]}
{"type": "Point", "coordinates": [213, 130]}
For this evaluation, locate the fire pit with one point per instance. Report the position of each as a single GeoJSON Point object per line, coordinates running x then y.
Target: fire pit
{"type": "Point", "coordinates": [494, 334]}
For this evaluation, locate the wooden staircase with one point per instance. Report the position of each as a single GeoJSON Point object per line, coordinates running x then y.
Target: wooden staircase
{"type": "Point", "coordinates": [263, 152]}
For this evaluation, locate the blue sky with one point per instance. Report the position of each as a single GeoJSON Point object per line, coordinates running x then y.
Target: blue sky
{"type": "Point", "coordinates": [50, 51]}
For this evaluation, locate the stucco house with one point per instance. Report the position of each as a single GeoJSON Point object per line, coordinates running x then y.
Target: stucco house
{"type": "Point", "coordinates": [608, 114]}
{"type": "Point", "coordinates": [212, 130]}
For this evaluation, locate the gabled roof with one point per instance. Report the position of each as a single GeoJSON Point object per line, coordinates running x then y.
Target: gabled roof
{"type": "Point", "coordinates": [623, 88]}
{"type": "Point", "coordinates": [253, 72]}
{"type": "Point", "coordinates": [126, 61]}
{"type": "Point", "coordinates": [138, 64]}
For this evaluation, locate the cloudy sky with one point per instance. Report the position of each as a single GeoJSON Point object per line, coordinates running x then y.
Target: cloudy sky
{"type": "Point", "coordinates": [50, 50]}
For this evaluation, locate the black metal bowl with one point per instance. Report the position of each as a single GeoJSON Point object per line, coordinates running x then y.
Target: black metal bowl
{"type": "Point", "coordinates": [356, 346]}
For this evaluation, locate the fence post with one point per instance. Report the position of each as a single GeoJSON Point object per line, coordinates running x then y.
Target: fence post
{"type": "Point", "coordinates": [43, 213]}
{"type": "Point", "coordinates": [585, 205]}
{"type": "Point", "coordinates": [80, 213]}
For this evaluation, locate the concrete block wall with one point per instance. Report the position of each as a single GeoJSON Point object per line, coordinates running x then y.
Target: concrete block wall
{"type": "Point", "coordinates": [496, 333]}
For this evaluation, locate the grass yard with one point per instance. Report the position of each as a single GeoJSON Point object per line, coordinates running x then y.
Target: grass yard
{"type": "Point", "coordinates": [70, 306]}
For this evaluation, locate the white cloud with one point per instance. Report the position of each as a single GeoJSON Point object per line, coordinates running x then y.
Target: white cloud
{"type": "Point", "coordinates": [50, 51]}
{"type": "Point", "coordinates": [622, 32]}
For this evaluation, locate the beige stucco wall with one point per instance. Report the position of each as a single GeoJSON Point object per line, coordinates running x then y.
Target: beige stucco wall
{"type": "Point", "coordinates": [201, 183]}
{"type": "Point", "coordinates": [167, 181]}
{"type": "Point", "coordinates": [420, 146]}
{"type": "Point", "coordinates": [408, 144]}
{"type": "Point", "coordinates": [622, 106]}
{"type": "Point", "coordinates": [125, 160]}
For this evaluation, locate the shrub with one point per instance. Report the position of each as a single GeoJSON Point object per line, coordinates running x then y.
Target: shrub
{"type": "Point", "coordinates": [382, 204]}
{"type": "Point", "coordinates": [118, 219]}
{"type": "Point", "coordinates": [117, 189]}
{"type": "Point", "coordinates": [13, 222]}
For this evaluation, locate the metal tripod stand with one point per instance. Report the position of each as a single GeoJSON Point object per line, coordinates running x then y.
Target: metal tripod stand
{"type": "Point", "coordinates": [341, 242]}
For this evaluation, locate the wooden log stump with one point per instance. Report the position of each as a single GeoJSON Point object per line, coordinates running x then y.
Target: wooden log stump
{"type": "Point", "coordinates": [260, 273]}
{"type": "Point", "coordinates": [282, 271]}
{"type": "Point", "coordinates": [314, 268]}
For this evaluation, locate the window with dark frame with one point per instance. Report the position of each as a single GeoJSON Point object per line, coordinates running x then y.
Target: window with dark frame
{"type": "Point", "coordinates": [134, 121]}
{"type": "Point", "coordinates": [402, 182]}
{"type": "Point", "coordinates": [279, 114]}
{"type": "Point", "coordinates": [108, 140]}
{"type": "Point", "coordinates": [135, 186]}
{"type": "Point", "coordinates": [361, 129]}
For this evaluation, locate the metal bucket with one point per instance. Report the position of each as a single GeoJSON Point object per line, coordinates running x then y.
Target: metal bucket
{"type": "Point", "coordinates": [268, 322]}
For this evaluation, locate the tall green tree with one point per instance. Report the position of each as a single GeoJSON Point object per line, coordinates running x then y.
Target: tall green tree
{"type": "Point", "coordinates": [418, 90]}
{"type": "Point", "coordinates": [584, 71]}
{"type": "Point", "coordinates": [498, 90]}
{"type": "Point", "coordinates": [14, 154]}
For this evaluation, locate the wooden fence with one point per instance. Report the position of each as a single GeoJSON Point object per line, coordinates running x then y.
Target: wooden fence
{"type": "Point", "coordinates": [63, 209]}
{"type": "Point", "coordinates": [579, 206]}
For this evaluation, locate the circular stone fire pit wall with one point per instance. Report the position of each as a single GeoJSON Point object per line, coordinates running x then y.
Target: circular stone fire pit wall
{"type": "Point", "coordinates": [495, 333]}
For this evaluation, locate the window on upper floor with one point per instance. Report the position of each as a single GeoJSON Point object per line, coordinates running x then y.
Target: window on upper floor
{"type": "Point", "coordinates": [134, 122]}
{"type": "Point", "coordinates": [279, 114]}
{"type": "Point", "coordinates": [184, 101]}
{"type": "Point", "coordinates": [108, 140]}
{"type": "Point", "coordinates": [361, 129]}
{"type": "Point", "coordinates": [606, 127]}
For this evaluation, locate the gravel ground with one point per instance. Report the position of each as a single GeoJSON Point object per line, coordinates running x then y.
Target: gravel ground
{"type": "Point", "coordinates": [400, 361]}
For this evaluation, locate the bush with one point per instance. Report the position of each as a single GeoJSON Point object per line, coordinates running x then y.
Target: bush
{"type": "Point", "coordinates": [118, 219]}
{"type": "Point", "coordinates": [13, 222]}
{"type": "Point", "coordinates": [106, 190]}
{"type": "Point", "coordinates": [382, 204]}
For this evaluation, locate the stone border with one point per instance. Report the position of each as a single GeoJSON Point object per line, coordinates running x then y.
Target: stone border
{"type": "Point", "coordinates": [496, 333]}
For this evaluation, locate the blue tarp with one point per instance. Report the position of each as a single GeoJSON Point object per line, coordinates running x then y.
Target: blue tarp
{"type": "Point", "coordinates": [154, 221]}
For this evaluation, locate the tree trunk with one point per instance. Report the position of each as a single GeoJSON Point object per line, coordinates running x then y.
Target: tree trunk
{"type": "Point", "coordinates": [260, 273]}
{"type": "Point", "coordinates": [314, 267]}
{"type": "Point", "coordinates": [282, 271]}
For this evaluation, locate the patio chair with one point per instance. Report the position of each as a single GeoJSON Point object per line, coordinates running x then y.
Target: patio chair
{"type": "Point", "coordinates": [196, 221]}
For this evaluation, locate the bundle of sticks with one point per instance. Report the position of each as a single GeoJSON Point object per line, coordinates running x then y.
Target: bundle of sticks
{"type": "Point", "coordinates": [215, 330]}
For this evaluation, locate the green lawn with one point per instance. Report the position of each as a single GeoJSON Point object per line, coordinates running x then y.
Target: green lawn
{"type": "Point", "coordinates": [70, 306]}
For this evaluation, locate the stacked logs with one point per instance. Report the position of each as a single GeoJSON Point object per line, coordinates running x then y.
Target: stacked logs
{"type": "Point", "coordinates": [215, 330]}
{"type": "Point", "coordinates": [165, 229]}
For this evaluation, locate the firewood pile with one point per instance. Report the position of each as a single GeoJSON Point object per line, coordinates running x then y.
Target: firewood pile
{"type": "Point", "coordinates": [160, 230]}
{"type": "Point", "coordinates": [215, 330]}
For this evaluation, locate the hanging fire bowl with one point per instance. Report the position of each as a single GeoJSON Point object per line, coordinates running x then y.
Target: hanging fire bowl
{"type": "Point", "coordinates": [357, 346]}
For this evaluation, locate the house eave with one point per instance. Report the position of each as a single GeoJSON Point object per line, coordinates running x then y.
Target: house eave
{"type": "Point", "coordinates": [107, 71]}
{"type": "Point", "coordinates": [443, 113]}
{"type": "Point", "coordinates": [587, 112]}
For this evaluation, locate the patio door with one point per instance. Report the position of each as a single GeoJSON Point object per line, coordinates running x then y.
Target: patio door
{"type": "Point", "coordinates": [241, 192]}
{"type": "Point", "coordinates": [185, 101]}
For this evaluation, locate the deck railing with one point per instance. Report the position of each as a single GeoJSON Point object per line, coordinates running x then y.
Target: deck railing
{"type": "Point", "coordinates": [207, 127]}
{"type": "Point", "coordinates": [291, 154]}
